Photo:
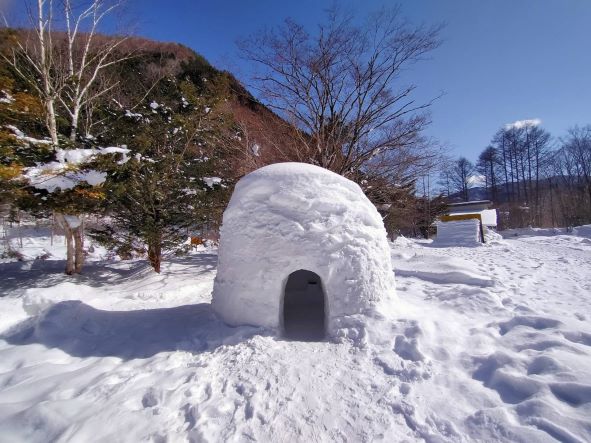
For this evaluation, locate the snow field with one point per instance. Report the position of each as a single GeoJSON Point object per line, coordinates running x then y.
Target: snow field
{"type": "Point", "coordinates": [488, 343]}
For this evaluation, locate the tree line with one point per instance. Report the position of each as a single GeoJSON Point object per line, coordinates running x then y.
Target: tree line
{"type": "Point", "coordinates": [531, 177]}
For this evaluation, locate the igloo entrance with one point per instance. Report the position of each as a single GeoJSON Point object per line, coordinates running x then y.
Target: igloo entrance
{"type": "Point", "coordinates": [303, 307]}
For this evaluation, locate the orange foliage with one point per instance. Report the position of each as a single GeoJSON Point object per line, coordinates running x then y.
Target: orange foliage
{"type": "Point", "coordinates": [11, 171]}
{"type": "Point", "coordinates": [91, 194]}
{"type": "Point", "coordinates": [196, 241]}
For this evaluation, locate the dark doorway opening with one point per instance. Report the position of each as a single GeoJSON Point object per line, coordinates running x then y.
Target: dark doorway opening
{"type": "Point", "coordinates": [303, 307]}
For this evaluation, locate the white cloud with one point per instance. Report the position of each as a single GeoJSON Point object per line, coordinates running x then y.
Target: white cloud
{"type": "Point", "coordinates": [523, 123]}
{"type": "Point", "coordinates": [476, 180]}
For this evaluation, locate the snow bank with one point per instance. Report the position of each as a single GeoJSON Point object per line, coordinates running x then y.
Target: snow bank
{"type": "Point", "coordinates": [583, 231]}
{"type": "Point", "coordinates": [530, 231]}
{"type": "Point", "coordinates": [579, 231]}
{"type": "Point", "coordinates": [452, 270]}
{"type": "Point", "coordinates": [32, 244]}
{"type": "Point", "coordinates": [458, 233]}
{"type": "Point", "coordinates": [291, 216]}
{"type": "Point", "coordinates": [402, 241]}
{"type": "Point", "coordinates": [492, 236]}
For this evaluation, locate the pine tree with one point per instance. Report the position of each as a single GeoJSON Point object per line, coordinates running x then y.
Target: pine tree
{"type": "Point", "coordinates": [171, 186]}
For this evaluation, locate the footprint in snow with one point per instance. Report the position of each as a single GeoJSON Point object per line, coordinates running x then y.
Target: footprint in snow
{"type": "Point", "coordinates": [512, 388]}
{"type": "Point", "coordinates": [544, 365]}
{"type": "Point", "coordinates": [528, 321]}
{"type": "Point", "coordinates": [575, 394]}
{"type": "Point", "coordinates": [581, 338]}
{"type": "Point", "coordinates": [407, 345]}
{"type": "Point", "coordinates": [150, 399]}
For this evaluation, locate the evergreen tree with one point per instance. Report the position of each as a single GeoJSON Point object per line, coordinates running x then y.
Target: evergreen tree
{"type": "Point", "coordinates": [172, 185]}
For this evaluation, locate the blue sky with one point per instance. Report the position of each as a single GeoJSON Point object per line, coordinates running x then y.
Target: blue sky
{"type": "Point", "coordinates": [500, 60]}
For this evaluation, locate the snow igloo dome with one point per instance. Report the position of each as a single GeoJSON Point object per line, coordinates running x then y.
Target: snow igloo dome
{"type": "Point", "coordinates": [302, 251]}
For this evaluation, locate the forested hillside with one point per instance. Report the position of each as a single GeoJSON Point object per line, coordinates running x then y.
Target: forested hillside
{"type": "Point", "coordinates": [161, 138]}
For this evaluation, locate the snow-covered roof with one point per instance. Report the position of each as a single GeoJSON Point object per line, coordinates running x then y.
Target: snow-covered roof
{"type": "Point", "coordinates": [458, 206]}
{"type": "Point", "coordinates": [293, 216]}
{"type": "Point", "coordinates": [488, 216]}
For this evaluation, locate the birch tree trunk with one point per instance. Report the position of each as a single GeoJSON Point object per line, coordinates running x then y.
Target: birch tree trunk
{"type": "Point", "coordinates": [79, 247]}
{"type": "Point", "coordinates": [74, 233]}
{"type": "Point", "coordinates": [61, 220]}
{"type": "Point", "coordinates": [74, 123]}
{"type": "Point", "coordinates": [51, 122]}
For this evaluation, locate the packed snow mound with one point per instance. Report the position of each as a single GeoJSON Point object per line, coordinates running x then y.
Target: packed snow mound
{"type": "Point", "coordinates": [583, 231]}
{"type": "Point", "coordinates": [492, 236]}
{"type": "Point", "coordinates": [293, 216]}
{"type": "Point", "coordinates": [531, 231]}
{"type": "Point", "coordinates": [447, 270]}
{"type": "Point", "coordinates": [403, 242]}
{"type": "Point", "coordinates": [458, 233]}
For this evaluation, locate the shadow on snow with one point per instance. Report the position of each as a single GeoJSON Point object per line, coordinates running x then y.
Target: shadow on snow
{"type": "Point", "coordinates": [83, 331]}
{"type": "Point", "coordinates": [19, 276]}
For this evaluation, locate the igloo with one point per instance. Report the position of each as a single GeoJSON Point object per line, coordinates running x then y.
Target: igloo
{"type": "Point", "coordinates": [299, 240]}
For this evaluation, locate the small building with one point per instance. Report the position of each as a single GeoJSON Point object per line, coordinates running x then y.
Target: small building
{"type": "Point", "coordinates": [473, 215]}
{"type": "Point", "coordinates": [302, 251]}
{"type": "Point", "coordinates": [488, 217]}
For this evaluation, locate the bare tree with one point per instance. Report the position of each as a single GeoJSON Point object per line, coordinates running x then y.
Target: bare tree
{"type": "Point", "coordinates": [87, 55]}
{"type": "Point", "coordinates": [64, 67]}
{"type": "Point", "coordinates": [575, 167]}
{"type": "Point", "coordinates": [33, 59]}
{"type": "Point", "coordinates": [338, 88]}
{"type": "Point", "coordinates": [487, 166]}
{"type": "Point", "coordinates": [460, 174]}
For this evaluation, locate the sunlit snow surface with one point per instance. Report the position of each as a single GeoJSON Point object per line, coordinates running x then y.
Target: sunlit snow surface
{"type": "Point", "coordinates": [489, 343]}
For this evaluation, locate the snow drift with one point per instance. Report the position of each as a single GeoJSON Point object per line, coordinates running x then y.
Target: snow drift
{"type": "Point", "coordinates": [291, 216]}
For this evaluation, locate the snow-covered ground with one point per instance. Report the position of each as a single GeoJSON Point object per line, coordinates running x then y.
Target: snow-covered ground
{"type": "Point", "coordinates": [489, 343]}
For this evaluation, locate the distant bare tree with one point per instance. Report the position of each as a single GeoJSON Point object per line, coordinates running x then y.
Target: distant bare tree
{"type": "Point", "coordinates": [444, 167]}
{"type": "Point", "coordinates": [339, 88]}
{"type": "Point", "coordinates": [460, 174]}
{"type": "Point", "coordinates": [487, 166]}
{"type": "Point", "coordinates": [573, 164]}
